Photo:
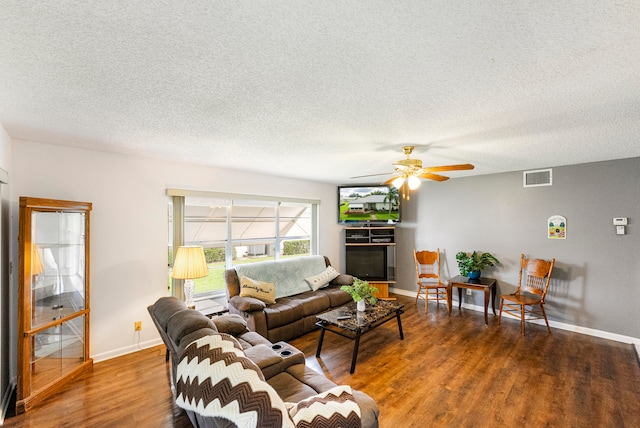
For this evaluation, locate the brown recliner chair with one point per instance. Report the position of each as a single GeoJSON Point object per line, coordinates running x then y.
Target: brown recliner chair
{"type": "Point", "coordinates": [281, 365]}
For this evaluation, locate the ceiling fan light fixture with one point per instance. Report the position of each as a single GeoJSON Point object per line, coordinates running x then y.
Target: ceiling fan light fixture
{"type": "Point", "coordinates": [397, 183]}
{"type": "Point", "coordinates": [413, 182]}
{"type": "Point", "coordinates": [408, 172]}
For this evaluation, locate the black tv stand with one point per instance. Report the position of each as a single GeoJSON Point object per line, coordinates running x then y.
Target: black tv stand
{"type": "Point", "coordinates": [372, 244]}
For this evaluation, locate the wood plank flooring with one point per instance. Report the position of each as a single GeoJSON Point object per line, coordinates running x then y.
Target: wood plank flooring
{"type": "Point", "coordinates": [448, 372]}
{"type": "Point", "coordinates": [128, 391]}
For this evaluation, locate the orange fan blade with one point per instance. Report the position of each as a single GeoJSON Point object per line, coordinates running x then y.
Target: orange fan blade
{"type": "Point", "coordinates": [448, 168]}
{"type": "Point", "coordinates": [435, 177]}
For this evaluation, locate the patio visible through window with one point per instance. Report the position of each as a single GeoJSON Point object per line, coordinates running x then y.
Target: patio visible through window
{"type": "Point", "coordinates": [236, 231]}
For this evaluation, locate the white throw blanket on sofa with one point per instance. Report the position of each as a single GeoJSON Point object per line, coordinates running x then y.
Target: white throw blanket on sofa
{"type": "Point", "coordinates": [287, 274]}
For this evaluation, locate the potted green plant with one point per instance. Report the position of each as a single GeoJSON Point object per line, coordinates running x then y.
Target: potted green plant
{"type": "Point", "coordinates": [360, 291]}
{"type": "Point", "coordinates": [471, 265]}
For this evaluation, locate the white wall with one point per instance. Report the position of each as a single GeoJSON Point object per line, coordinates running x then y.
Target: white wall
{"type": "Point", "coordinates": [7, 333]}
{"type": "Point", "coordinates": [129, 224]}
{"type": "Point", "coordinates": [5, 149]}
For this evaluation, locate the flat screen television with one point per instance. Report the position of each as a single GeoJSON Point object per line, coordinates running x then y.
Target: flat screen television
{"type": "Point", "coordinates": [369, 204]}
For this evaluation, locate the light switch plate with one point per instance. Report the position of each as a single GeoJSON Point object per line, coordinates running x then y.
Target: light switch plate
{"type": "Point", "coordinates": [619, 221]}
{"type": "Point", "coordinates": [619, 230]}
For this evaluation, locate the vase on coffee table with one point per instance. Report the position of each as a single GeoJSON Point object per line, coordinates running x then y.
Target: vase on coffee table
{"type": "Point", "coordinates": [360, 291]}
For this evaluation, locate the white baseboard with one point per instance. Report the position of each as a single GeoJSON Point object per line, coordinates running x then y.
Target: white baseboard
{"type": "Point", "coordinates": [126, 350]}
{"type": "Point", "coordinates": [402, 292]}
{"type": "Point", "coordinates": [6, 399]}
{"type": "Point", "coordinates": [554, 324]}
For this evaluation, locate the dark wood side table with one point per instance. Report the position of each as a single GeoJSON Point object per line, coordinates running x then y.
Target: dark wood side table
{"type": "Point", "coordinates": [488, 285]}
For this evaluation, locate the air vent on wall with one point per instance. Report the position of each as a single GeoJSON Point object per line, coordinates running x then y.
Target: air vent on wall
{"type": "Point", "coordinates": [540, 177]}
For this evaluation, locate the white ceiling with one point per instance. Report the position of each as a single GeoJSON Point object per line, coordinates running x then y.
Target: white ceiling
{"type": "Point", "coordinates": [327, 90]}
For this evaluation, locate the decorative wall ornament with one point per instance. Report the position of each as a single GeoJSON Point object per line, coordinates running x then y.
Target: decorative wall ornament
{"type": "Point", "coordinates": [557, 227]}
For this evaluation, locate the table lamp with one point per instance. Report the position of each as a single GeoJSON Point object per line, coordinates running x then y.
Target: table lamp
{"type": "Point", "coordinates": [189, 264]}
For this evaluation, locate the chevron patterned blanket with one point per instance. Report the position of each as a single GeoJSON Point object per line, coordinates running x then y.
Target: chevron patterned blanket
{"type": "Point", "coordinates": [216, 379]}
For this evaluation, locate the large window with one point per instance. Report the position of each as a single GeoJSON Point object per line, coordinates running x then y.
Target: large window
{"type": "Point", "coordinates": [236, 229]}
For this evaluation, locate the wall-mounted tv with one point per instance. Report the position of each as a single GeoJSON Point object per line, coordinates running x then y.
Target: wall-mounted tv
{"type": "Point", "coordinates": [367, 204]}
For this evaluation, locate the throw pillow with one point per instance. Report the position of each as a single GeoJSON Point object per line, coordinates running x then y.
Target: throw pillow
{"type": "Point", "coordinates": [322, 279]}
{"type": "Point", "coordinates": [333, 408]}
{"type": "Point", "coordinates": [215, 379]}
{"type": "Point", "coordinates": [265, 291]}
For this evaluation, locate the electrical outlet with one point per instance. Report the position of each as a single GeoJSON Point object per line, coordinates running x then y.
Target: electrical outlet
{"type": "Point", "coordinates": [469, 292]}
{"type": "Point", "coordinates": [137, 326]}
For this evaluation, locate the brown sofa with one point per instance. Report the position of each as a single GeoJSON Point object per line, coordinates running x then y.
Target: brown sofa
{"type": "Point", "coordinates": [294, 311]}
{"type": "Point", "coordinates": [279, 366]}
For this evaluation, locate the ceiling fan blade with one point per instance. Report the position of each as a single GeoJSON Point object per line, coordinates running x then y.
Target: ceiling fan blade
{"type": "Point", "coordinates": [371, 175]}
{"type": "Point", "coordinates": [460, 167]}
{"type": "Point", "coordinates": [435, 177]}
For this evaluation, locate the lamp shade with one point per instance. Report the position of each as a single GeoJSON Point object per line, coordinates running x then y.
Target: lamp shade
{"type": "Point", "coordinates": [413, 182]}
{"type": "Point", "coordinates": [397, 183]}
{"type": "Point", "coordinates": [190, 263]}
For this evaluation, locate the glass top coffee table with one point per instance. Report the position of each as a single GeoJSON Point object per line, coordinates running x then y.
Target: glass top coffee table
{"type": "Point", "coordinates": [347, 322]}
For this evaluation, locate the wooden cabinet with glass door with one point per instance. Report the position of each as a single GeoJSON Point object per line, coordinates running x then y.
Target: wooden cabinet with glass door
{"type": "Point", "coordinates": [53, 297]}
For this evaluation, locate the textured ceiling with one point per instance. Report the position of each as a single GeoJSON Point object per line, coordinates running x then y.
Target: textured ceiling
{"type": "Point", "coordinates": [327, 90]}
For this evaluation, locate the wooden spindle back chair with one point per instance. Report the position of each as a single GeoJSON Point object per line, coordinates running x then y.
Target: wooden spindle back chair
{"type": "Point", "coordinates": [428, 273]}
{"type": "Point", "coordinates": [528, 300]}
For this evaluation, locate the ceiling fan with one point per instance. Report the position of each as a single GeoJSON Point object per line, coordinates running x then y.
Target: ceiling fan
{"type": "Point", "coordinates": [408, 172]}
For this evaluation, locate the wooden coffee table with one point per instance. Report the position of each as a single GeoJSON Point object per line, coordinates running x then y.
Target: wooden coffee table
{"type": "Point", "coordinates": [347, 322]}
{"type": "Point", "coordinates": [488, 285]}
